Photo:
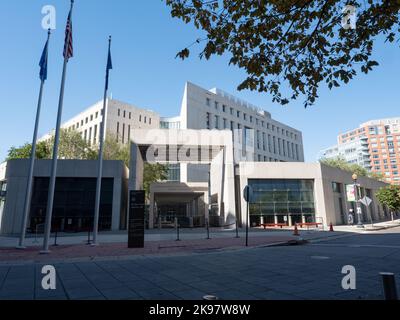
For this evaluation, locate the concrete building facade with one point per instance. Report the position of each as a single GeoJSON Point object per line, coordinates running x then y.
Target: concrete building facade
{"type": "Point", "coordinates": [304, 192]}
{"type": "Point", "coordinates": [375, 145]}
{"type": "Point", "coordinates": [74, 195]}
{"type": "Point", "coordinates": [121, 118]}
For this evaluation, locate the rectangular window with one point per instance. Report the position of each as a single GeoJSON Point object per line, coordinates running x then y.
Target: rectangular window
{"type": "Point", "coordinates": [90, 135]}
{"type": "Point", "coordinates": [208, 120]}
{"type": "Point", "coordinates": [95, 134]}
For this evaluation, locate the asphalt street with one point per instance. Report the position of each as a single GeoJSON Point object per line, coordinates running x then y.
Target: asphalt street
{"type": "Point", "coordinates": [312, 271]}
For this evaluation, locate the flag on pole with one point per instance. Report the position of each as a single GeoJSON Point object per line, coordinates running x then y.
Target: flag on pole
{"type": "Point", "coordinates": [109, 66]}
{"type": "Point", "coordinates": [68, 45]}
{"type": "Point", "coordinates": [43, 62]}
{"type": "Point", "coordinates": [101, 149]}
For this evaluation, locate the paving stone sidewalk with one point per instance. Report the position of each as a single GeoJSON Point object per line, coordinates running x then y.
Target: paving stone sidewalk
{"type": "Point", "coordinates": [110, 250]}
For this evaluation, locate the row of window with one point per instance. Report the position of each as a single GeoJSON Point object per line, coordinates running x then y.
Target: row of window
{"type": "Point", "coordinates": [87, 134]}
{"type": "Point", "coordinates": [84, 121]}
{"type": "Point", "coordinates": [263, 141]}
{"type": "Point", "coordinates": [128, 115]}
{"type": "Point", "coordinates": [123, 131]}
{"type": "Point", "coordinates": [250, 119]}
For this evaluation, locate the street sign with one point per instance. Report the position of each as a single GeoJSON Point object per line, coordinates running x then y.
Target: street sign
{"type": "Point", "coordinates": [359, 211]}
{"type": "Point", "coordinates": [248, 193]}
{"type": "Point", "coordinates": [366, 201]}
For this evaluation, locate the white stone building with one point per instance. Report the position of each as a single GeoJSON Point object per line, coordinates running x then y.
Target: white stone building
{"type": "Point", "coordinates": [121, 118]}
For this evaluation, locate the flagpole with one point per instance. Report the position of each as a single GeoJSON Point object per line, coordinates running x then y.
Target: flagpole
{"type": "Point", "coordinates": [52, 184]}
{"type": "Point", "coordinates": [28, 196]}
{"type": "Point", "coordinates": [100, 158]}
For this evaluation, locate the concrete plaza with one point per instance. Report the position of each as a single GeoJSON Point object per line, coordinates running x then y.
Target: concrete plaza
{"type": "Point", "coordinates": [310, 271]}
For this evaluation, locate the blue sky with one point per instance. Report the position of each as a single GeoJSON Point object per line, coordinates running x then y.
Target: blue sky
{"type": "Point", "coordinates": [146, 73]}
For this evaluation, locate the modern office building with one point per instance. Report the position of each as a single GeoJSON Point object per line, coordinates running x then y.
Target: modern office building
{"type": "Point", "coordinates": [74, 195]}
{"type": "Point", "coordinates": [121, 118]}
{"type": "Point", "coordinates": [284, 192]}
{"type": "Point", "coordinates": [256, 136]}
{"type": "Point", "coordinates": [375, 145]}
{"type": "Point", "coordinates": [271, 140]}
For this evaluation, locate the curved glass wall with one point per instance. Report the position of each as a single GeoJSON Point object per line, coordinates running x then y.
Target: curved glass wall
{"type": "Point", "coordinates": [282, 201]}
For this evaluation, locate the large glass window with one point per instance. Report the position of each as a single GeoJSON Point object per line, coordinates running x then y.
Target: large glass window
{"type": "Point", "coordinates": [282, 197]}
{"type": "Point", "coordinates": [73, 204]}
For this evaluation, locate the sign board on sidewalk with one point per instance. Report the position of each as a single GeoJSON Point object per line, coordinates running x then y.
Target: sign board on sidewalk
{"type": "Point", "coordinates": [366, 201]}
{"type": "Point", "coordinates": [136, 219]}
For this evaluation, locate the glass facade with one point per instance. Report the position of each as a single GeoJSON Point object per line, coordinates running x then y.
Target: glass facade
{"type": "Point", "coordinates": [73, 204]}
{"type": "Point", "coordinates": [174, 172]}
{"type": "Point", "coordinates": [277, 201]}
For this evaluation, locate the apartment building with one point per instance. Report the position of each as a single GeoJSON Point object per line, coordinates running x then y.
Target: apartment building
{"type": "Point", "coordinates": [375, 145]}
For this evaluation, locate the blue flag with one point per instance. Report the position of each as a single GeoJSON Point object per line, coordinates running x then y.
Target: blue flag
{"type": "Point", "coordinates": [43, 62]}
{"type": "Point", "coordinates": [109, 67]}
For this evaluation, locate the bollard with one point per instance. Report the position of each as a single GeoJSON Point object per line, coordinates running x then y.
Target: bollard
{"type": "Point", "coordinates": [208, 229]}
{"type": "Point", "coordinates": [177, 233]}
{"type": "Point", "coordinates": [389, 286]}
{"type": "Point", "coordinates": [55, 239]}
{"type": "Point", "coordinates": [88, 241]}
{"type": "Point", "coordinates": [237, 229]}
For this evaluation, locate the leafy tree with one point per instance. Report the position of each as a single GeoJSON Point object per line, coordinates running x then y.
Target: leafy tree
{"type": "Point", "coordinates": [72, 146]}
{"type": "Point", "coordinates": [24, 152]}
{"type": "Point", "coordinates": [113, 150]}
{"type": "Point", "coordinates": [342, 164]}
{"type": "Point", "coordinates": [377, 176]}
{"type": "Point", "coordinates": [291, 44]}
{"type": "Point", "coordinates": [390, 197]}
{"type": "Point", "coordinates": [153, 173]}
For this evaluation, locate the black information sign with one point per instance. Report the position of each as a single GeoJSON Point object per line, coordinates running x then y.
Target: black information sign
{"type": "Point", "coordinates": [136, 219]}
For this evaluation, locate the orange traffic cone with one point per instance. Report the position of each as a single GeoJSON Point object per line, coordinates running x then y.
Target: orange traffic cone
{"type": "Point", "coordinates": [296, 231]}
{"type": "Point", "coordinates": [331, 227]}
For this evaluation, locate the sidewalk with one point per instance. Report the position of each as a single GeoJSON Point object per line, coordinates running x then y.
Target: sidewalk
{"type": "Point", "coordinates": [74, 253]}
{"type": "Point", "coordinates": [368, 227]}
{"type": "Point", "coordinates": [114, 246]}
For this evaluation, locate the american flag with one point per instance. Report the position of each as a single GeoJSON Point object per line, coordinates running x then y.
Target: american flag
{"type": "Point", "coordinates": [68, 45]}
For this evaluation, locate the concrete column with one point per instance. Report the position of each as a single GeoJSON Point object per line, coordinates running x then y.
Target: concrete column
{"type": "Point", "coordinates": [290, 220]}
{"type": "Point", "coordinates": [207, 203]}
{"type": "Point", "coordinates": [116, 207]}
{"type": "Point", "coordinates": [151, 211]}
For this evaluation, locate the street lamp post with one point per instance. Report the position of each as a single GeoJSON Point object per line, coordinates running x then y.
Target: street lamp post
{"type": "Point", "coordinates": [359, 212]}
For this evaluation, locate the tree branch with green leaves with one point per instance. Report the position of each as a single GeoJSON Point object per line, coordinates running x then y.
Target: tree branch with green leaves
{"type": "Point", "coordinates": [290, 48]}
